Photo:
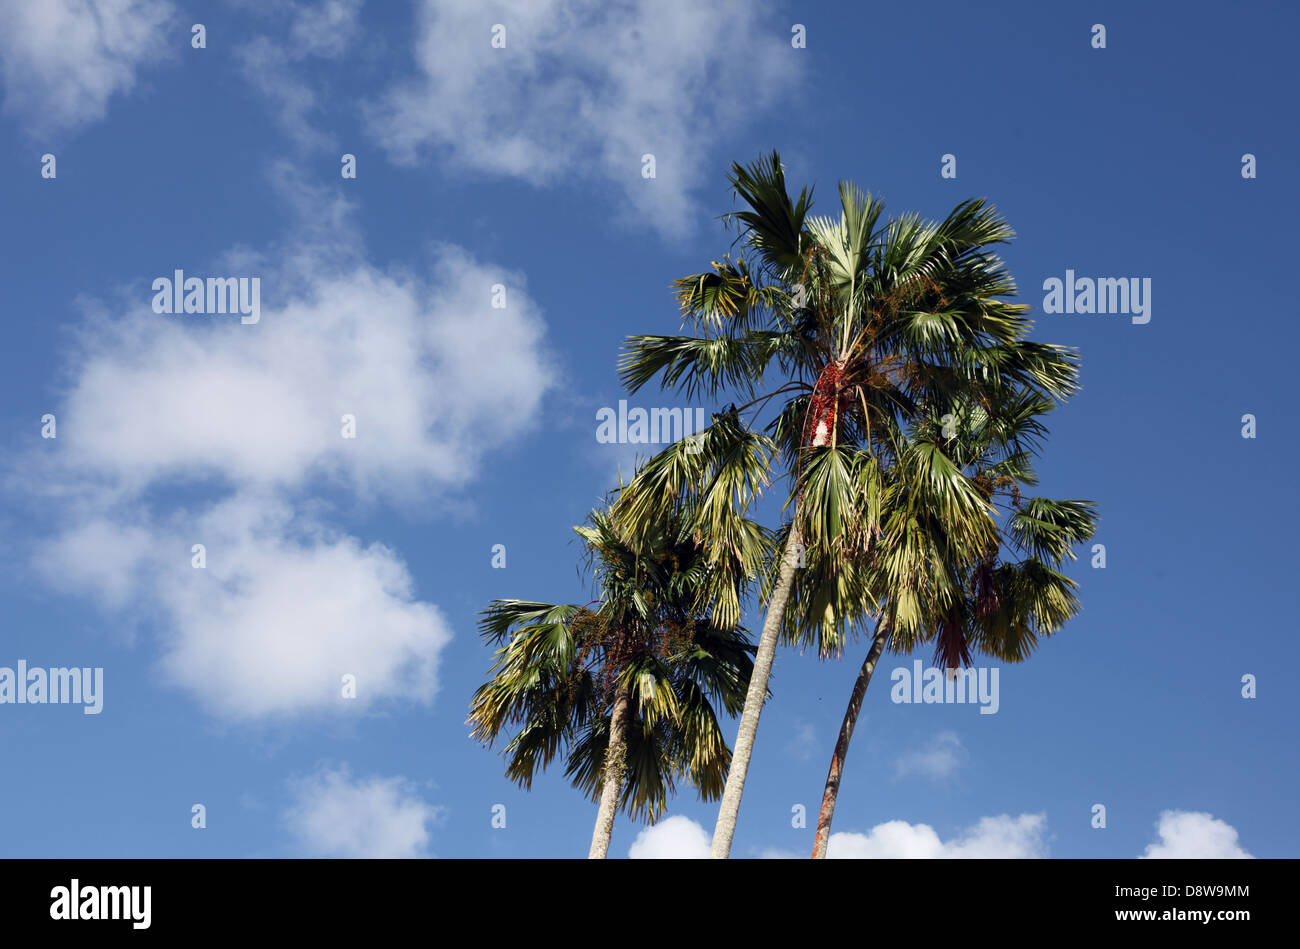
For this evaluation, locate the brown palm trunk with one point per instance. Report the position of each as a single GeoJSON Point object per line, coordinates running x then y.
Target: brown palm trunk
{"type": "Point", "coordinates": [842, 744]}
{"type": "Point", "coordinates": [615, 756]}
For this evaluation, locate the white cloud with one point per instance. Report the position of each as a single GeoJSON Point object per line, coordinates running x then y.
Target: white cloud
{"type": "Point", "coordinates": [282, 611]}
{"type": "Point", "coordinates": [673, 838]}
{"type": "Point", "coordinates": [1194, 835]}
{"type": "Point", "coordinates": [588, 86]}
{"type": "Point", "coordinates": [334, 815]}
{"type": "Point", "coordinates": [1182, 835]}
{"type": "Point", "coordinates": [433, 374]}
{"type": "Point", "coordinates": [245, 422]}
{"type": "Point", "coordinates": [64, 59]}
{"type": "Point", "coordinates": [940, 758]}
{"type": "Point", "coordinates": [1003, 836]}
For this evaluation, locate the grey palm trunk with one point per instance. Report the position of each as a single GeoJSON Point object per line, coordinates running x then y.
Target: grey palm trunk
{"type": "Point", "coordinates": [615, 759]}
{"type": "Point", "coordinates": [725, 829]}
{"type": "Point", "coordinates": [832, 791]}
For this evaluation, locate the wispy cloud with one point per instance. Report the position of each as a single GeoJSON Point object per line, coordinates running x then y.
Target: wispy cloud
{"type": "Point", "coordinates": [276, 69]}
{"type": "Point", "coordinates": [588, 87]}
{"type": "Point", "coordinates": [804, 743]}
{"type": "Point", "coordinates": [938, 759]}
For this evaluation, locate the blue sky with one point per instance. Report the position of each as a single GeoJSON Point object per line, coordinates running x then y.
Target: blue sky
{"type": "Point", "coordinates": [522, 167]}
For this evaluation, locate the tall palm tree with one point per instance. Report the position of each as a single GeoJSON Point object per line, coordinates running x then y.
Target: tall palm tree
{"type": "Point", "coordinates": [1008, 595]}
{"type": "Point", "coordinates": [868, 327]}
{"type": "Point", "coordinates": [627, 687]}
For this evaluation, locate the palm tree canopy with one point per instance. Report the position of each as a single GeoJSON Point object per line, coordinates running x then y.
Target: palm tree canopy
{"type": "Point", "coordinates": [875, 331]}
{"type": "Point", "coordinates": [558, 667]}
{"type": "Point", "coordinates": [1002, 600]}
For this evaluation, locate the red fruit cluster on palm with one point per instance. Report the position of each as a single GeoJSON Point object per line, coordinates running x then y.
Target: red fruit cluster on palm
{"type": "Point", "coordinates": [828, 401]}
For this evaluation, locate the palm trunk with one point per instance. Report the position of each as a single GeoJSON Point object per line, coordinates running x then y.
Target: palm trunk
{"type": "Point", "coordinates": [832, 791]}
{"type": "Point", "coordinates": [754, 698]}
{"type": "Point", "coordinates": [614, 761]}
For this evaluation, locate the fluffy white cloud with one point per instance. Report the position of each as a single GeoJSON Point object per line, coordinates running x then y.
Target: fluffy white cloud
{"type": "Point", "coordinates": [673, 838]}
{"type": "Point", "coordinates": [283, 609]}
{"type": "Point", "coordinates": [588, 86]}
{"type": "Point", "coordinates": [1194, 835]}
{"type": "Point", "coordinates": [64, 59]}
{"type": "Point", "coordinates": [183, 430]}
{"type": "Point", "coordinates": [939, 758]}
{"type": "Point", "coordinates": [1182, 835]}
{"type": "Point", "coordinates": [335, 815]}
{"type": "Point", "coordinates": [433, 374]}
{"type": "Point", "coordinates": [1003, 836]}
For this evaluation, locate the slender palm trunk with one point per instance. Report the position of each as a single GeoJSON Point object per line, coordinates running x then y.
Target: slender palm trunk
{"type": "Point", "coordinates": [614, 762]}
{"type": "Point", "coordinates": [832, 791]}
{"type": "Point", "coordinates": [730, 807]}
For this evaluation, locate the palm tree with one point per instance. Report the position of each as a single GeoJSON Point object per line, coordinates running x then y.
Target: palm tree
{"type": "Point", "coordinates": [626, 687]}
{"type": "Point", "coordinates": [1001, 604]}
{"type": "Point", "coordinates": [869, 327]}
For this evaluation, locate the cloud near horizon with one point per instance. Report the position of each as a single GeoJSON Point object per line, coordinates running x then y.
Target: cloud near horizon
{"type": "Point", "coordinates": [1182, 835]}
{"type": "Point", "coordinates": [1003, 836]}
{"type": "Point", "coordinates": [673, 838]}
{"type": "Point", "coordinates": [1194, 835]}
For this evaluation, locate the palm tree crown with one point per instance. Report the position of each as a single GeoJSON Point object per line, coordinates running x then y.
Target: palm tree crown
{"type": "Point", "coordinates": [560, 671]}
{"type": "Point", "coordinates": [852, 338]}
